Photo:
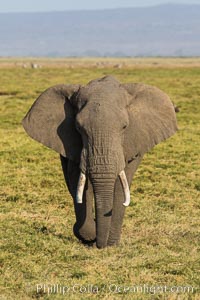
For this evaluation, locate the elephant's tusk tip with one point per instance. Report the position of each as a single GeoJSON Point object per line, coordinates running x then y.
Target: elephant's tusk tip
{"type": "Point", "coordinates": [126, 203]}
{"type": "Point", "coordinates": [79, 200]}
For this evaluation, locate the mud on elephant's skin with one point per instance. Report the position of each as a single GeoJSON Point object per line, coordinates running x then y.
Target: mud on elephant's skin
{"type": "Point", "coordinates": [101, 131]}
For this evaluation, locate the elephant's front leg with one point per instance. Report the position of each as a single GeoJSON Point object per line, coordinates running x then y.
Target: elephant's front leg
{"type": "Point", "coordinates": [84, 228]}
{"type": "Point", "coordinates": [118, 207]}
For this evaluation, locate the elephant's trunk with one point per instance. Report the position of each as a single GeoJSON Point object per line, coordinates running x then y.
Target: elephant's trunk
{"type": "Point", "coordinates": [103, 188]}
{"type": "Point", "coordinates": [104, 165]}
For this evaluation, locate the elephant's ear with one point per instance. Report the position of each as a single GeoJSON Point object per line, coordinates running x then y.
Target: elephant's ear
{"type": "Point", "coordinates": [152, 119]}
{"type": "Point", "coordinates": [51, 121]}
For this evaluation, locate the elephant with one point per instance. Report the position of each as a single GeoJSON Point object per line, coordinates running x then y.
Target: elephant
{"type": "Point", "coordinates": [101, 131]}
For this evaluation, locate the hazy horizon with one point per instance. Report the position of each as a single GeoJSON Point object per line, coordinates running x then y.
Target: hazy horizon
{"type": "Point", "coordinates": [62, 5]}
{"type": "Point", "coordinates": [159, 31]}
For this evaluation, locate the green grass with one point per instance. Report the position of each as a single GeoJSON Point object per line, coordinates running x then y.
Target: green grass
{"type": "Point", "coordinates": [160, 244]}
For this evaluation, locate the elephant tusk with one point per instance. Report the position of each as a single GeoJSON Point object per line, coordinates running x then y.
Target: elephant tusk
{"type": "Point", "coordinates": [124, 182]}
{"type": "Point", "coordinates": [80, 188]}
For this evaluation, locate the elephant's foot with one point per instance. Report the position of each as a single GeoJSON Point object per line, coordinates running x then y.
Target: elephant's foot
{"type": "Point", "coordinates": [112, 242]}
{"type": "Point", "coordinates": [85, 233]}
{"type": "Point", "coordinates": [109, 244]}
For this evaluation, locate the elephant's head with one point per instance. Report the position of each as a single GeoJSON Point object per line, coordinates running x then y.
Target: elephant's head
{"type": "Point", "coordinates": [103, 126]}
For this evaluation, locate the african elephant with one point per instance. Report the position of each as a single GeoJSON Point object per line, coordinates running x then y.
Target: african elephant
{"type": "Point", "coordinates": [101, 131]}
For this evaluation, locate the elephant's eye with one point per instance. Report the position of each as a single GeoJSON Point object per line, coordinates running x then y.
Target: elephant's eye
{"type": "Point", "coordinates": [124, 127]}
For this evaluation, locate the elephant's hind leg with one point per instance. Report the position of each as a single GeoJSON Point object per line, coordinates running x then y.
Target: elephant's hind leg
{"type": "Point", "coordinates": [84, 228]}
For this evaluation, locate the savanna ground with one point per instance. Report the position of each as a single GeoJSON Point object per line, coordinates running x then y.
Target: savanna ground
{"type": "Point", "coordinates": [160, 244]}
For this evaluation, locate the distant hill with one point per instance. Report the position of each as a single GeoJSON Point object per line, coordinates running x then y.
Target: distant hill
{"type": "Point", "coordinates": [164, 30]}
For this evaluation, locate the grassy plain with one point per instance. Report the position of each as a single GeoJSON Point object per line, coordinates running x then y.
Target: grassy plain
{"type": "Point", "coordinates": [160, 244]}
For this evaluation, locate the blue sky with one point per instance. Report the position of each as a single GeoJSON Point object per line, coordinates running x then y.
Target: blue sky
{"type": "Point", "coordinates": [52, 5]}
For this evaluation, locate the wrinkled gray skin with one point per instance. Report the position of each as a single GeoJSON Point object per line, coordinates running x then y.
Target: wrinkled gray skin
{"type": "Point", "coordinates": [100, 129]}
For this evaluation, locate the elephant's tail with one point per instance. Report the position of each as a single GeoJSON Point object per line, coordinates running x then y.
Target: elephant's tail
{"type": "Point", "coordinates": [176, 108]}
